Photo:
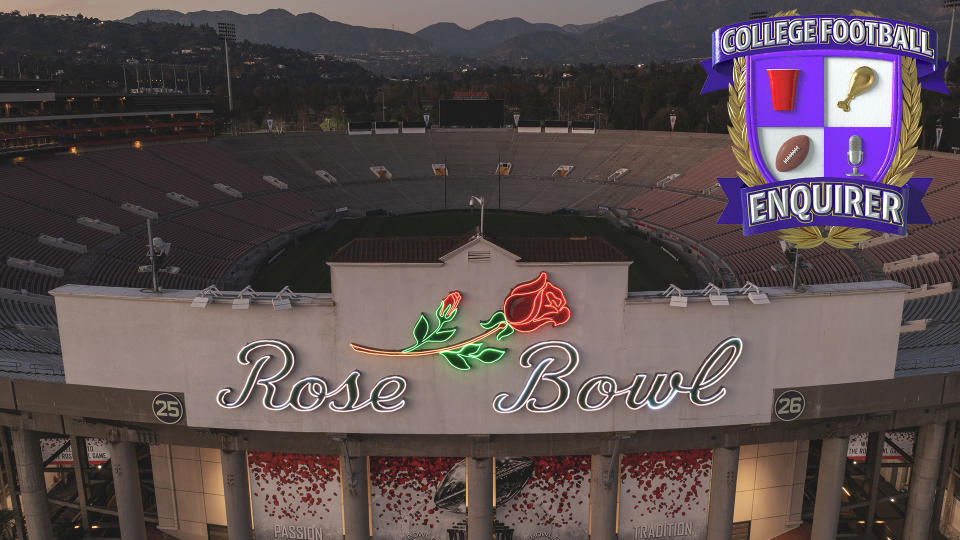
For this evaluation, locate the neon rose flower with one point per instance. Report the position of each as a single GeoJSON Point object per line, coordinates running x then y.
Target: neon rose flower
{"type": "Point", "coordinates": [535, 303]}
{"type": "Point", "coordinates": [528, 307]}
{"type": "Point", "coordinates": [448, 308]}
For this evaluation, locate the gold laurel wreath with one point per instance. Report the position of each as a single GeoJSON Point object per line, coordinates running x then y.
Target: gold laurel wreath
{"type": "Point", "coordinates": [897, 175]}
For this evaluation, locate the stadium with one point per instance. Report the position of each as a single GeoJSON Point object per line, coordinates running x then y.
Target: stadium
{"type": "Point", "coordinates": [635, 370]}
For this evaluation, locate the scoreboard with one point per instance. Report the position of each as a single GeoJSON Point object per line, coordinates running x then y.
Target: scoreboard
{"type": "Point", "coordinates": [471, 113]}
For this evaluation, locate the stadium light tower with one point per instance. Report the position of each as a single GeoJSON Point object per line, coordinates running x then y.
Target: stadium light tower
{"type": "Point", "coordinates": [157, 252]}
{"type": "Point", "coordinates": [480, 201]}
{"type": "Point", "coordinates": [792, 253]}
{"type": "Point", "coordinates": [499, 184]}
{"type": "Point", "coordinates": [952, 4]}
{"type": "Point", "coordinates": [228, 33]}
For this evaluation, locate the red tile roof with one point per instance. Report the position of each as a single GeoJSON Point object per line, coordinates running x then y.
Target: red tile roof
{"type": "Point", "coordinates": [431, 249]}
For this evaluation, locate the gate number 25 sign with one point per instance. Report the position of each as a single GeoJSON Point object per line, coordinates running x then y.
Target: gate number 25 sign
{"type": "Point", "coordinates": [167, 408]}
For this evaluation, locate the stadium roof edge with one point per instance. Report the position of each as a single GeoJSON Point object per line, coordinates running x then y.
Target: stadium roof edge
{"type": "Point", "coordinates": [131, 293]}
{"type": "Point", "coordinates": [425, 250]}
{"type": "Point", "coordinates": [832, 289]}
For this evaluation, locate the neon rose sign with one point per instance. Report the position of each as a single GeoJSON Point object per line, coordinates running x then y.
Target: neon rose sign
{"type": "Point", "coordinates": [528, 307]}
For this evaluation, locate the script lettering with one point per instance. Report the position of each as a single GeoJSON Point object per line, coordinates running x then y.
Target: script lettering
{"type": "Point", "coordinates": [309, 393]}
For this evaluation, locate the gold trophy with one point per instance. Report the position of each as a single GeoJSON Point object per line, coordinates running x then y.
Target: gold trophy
{"type": "Point", "coordinates": [861, 81]}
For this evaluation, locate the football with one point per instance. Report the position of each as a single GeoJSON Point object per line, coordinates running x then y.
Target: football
{"type": "Point", "coordinates": [792, 153]}
{"type": "Point", "coordinates": [512, 473]}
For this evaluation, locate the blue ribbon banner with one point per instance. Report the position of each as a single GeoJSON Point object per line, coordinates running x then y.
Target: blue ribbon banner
{"type": "Point", "coordinates": [842, 202]}
{"type": "Point", "coordinates": [851, 33]}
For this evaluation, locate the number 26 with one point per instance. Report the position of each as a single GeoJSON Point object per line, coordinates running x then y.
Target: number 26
{"type": "Point", "coordinates": [792, 405]}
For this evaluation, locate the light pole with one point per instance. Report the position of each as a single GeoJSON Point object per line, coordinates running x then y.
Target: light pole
{"type": "Point", "coordinates": [157, 252]}
{"type": "Point", "coordinates": [499, 185]}
{"type": "Point", "coordinates": [383, 104]}
{"type": "Point", "coordinates": [228, 32]}
{"type": "Point", "coordinates": [558, 102]}
{"type": "Point", "coordinates": [152, 254]}
{"type": "Point", "coordinates": [939, 130]}
{"type": "Point", "coordinates": [952, 4]}
{"type": "Point", "coordinates": [480, 201]}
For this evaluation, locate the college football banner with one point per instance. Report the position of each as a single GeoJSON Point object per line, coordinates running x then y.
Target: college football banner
{"type": "Point", "coordinates": [665, 494]}
{"type": "Point", "coordinates": [544, 497]}
{"type": "Point", "coordinates": [295, 495]}
{"type": "Point", "coordinates": [825, 119]}
{"type": "Point", "coordinates": [417, 497]}
{"type": "Point", "coordinates": [98, 451]}
{"type": "Point", "coordinates": [903, 440]}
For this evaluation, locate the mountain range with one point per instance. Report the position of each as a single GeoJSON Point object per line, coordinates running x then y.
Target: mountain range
{"type": "Point", "coordinates": [662, 31]}
{"type": "Point", "coordinates": [307, 31]}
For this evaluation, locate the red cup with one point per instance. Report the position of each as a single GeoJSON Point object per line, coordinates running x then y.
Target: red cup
{"type": "Point", "coordinates": [783, 88]}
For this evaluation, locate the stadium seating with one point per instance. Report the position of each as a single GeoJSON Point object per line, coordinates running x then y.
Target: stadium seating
{"type": "Point", "coordinates": [682, 205]}
{"type": "Point", "coordinates": [47, 196]}
{"type": "Point", "coordinates": [934, 348]}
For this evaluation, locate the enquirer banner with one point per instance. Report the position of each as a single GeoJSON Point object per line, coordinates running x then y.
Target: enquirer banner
{"type": "Point", "coordinates": [824, 121]}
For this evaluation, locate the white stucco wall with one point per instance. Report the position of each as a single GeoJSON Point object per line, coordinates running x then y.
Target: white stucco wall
{"type": "Point", "coordinates": [123, 338]}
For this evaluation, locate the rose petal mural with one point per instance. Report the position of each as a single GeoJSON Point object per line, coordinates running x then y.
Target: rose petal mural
{"type": "Point", "coordinates": [553, 504]}
{"type": "Point", "coordinates": [295, 490]}
{"type": "Point", "coordinates": [402, 498]}
{"type": "Point", "coordinates": [665, 494]}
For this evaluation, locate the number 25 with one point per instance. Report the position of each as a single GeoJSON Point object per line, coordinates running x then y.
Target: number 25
{"type": "Point", "coordinates": [168, 408]}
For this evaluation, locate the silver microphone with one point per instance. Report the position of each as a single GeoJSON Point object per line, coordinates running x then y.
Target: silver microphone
{"type": "Point", "coordinates": [855, 154]}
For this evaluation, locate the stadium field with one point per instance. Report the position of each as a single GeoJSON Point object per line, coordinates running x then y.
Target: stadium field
{"type": "Point", "coordinates": [302, 265]}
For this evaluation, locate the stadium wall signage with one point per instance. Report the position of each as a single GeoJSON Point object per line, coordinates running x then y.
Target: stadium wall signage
{"type": "Point", "coordinates": [557, 360]}
{"type": "Point", "coordinates": [824, 115]}
{"type": "Point", "coordinates": [529, 306]}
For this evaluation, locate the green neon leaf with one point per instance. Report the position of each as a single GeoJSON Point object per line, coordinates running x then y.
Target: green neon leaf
{"type": "Point", "coordinates": [470, 349]}
{"type": "Point", "coordinates": [494, 320]}
{"type": "Point", "coordinates": [421, 329]}
{"type": "Point", "coordinates": [505, 332]}
{"type": "Point", "coordinates": [489, 355]}
{"type": "Point", "coordinates": [441, 335]}
{"type": "Point", "coordinates": [455, 359]}
{"type": "Point", "coordinates": [441, 318]}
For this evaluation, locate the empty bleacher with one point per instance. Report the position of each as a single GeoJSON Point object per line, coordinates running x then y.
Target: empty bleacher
{"type": "Point", "coordinates": [683, 206]}
{"type": "Point", "coordinates": [47, 196]}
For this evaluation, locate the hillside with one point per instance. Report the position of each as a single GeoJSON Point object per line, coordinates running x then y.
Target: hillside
{"type": "Point", "coordinates": [663, 31]}
{"type": "Point", "coordinates": [84, 51]}
{"type": "Point", "coordinates": [482, 39]}
{"type": "Point", "coordinates": [308, 31]}
{"type": "Point", "coordinates": [680, 29]}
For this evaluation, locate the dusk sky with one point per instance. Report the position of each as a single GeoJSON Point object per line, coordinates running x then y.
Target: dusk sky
{"type": "Point", "coordinates": [407, 15]}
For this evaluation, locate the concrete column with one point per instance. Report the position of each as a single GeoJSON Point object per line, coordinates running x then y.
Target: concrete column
{"type": "Point", "coordinates": [723, 493]}
{"type": "Point", "coordinates": [33, 491]}
{"type": "Point", "coordinates": [356, 501]}
{"type": "Point", "coordinates": [603, 497]}
{"type": "Point", "coordinates": [923, 482]}
{"type": "Point", "coordinates": [480, 498]}
{"type": "Point", "coordinates": [236, 494]}
{"type": "Point", "coordinates": [826, 510]}
{"type": "Point", "coordinates": [126, 482]}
